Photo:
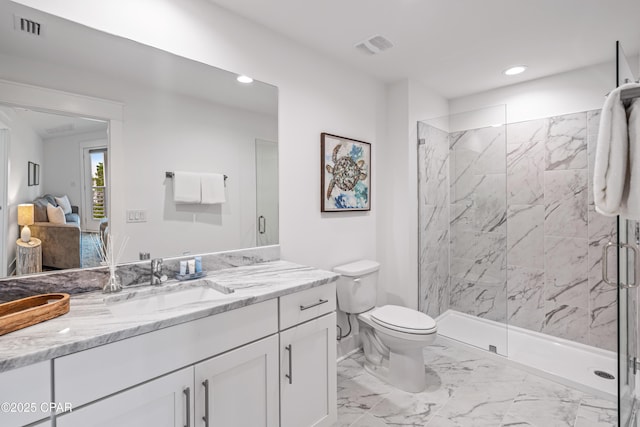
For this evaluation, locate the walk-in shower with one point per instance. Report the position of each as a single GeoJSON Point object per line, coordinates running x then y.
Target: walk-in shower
{"type": "Point", "coordinates": [510, 243]}
{"type": "Point", "coordinates": [511, 246]}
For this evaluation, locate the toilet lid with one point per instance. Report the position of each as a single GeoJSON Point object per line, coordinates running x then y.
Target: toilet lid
{"type": "Point", "coordinates": [403, 319]}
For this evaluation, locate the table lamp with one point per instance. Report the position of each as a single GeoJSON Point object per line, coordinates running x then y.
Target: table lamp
{"type": "Point", "coordinates": [25, 218]}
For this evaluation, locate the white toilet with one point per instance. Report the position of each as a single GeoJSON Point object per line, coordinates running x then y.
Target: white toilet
{"type": "Point", "coordinates": [393, 337]}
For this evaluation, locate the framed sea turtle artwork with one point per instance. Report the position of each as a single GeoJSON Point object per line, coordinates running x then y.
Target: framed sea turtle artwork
{"type": "Point", "coordinates": [345, 174]}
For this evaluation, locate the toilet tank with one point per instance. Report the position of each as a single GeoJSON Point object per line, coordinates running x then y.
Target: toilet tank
{"type": "Point", "coordinates": [358, 285]}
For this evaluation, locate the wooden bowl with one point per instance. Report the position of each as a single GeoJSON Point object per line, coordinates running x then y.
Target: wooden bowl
{"type": "Point", "coordinates": [25, 312]}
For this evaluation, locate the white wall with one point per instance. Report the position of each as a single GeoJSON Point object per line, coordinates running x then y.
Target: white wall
{"type": "Point", "coordinates": [24, 146]}
{"type": "Point", "coordinates": [578, 90]}
{"type": "Point", "coordinates": [407, 102]}
{"type": "Point", "coordinates": [394, 242]}
{"type": "Point", "coordinates": [316, 95]}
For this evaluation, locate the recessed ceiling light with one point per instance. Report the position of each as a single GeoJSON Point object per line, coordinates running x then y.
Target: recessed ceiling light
{"type": "Point", "coordinates": [244, 79]}
{"type": "Point", "coordinates": [512, 71]}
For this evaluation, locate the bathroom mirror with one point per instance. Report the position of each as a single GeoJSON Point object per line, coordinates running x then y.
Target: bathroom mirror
{"type": "Point", "coordinates": [177, 115]}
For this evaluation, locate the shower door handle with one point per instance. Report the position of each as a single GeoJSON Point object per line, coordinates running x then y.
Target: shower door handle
{"type": "Point", "coordinates": [634, 283]}
{"type": "Point", "coordinates": [605, 265]}
{"type": "Point", "coordinates": [262, 224]}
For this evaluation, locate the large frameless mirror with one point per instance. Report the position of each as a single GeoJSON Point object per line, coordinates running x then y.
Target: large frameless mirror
{"type": "Point", "coordinates": [178, 115]}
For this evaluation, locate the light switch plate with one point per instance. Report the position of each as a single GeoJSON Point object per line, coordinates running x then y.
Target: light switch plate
{"type": "Point", "coordinates": [136, 215]}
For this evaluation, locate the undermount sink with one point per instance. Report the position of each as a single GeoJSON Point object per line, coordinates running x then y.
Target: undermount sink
{"type": "Point", "coordinates": [165, 297]}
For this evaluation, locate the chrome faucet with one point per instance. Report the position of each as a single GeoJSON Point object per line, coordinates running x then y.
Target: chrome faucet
{"type": "Point", "coordinates": [156, 271]}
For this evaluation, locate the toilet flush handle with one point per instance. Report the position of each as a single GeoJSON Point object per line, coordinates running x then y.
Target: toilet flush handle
{"type": "Point", "coordinates": [357, 280]}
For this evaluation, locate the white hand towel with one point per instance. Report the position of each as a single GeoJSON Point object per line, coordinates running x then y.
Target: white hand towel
{"type": "Point", "coordinates": [186, 187]}
{"type": "Point", "coordinates": [631, 197]}
{"type": "Point", "coordinates": [212, 185]}
{"type": "Point", "coordinates": [612, 149]}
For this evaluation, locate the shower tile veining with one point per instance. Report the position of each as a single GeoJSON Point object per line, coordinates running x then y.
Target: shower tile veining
{"type": "Point", "coordinates": [466, 389]}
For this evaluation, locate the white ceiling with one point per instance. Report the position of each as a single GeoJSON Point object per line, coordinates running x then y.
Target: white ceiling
{"type": "Point", "coordinates": [456, 47]}
{"type": "Point", "coordinates": [48, 125]}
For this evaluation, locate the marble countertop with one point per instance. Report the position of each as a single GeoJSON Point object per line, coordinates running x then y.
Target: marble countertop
{"type": "Point", "coordinates": [91, 322]}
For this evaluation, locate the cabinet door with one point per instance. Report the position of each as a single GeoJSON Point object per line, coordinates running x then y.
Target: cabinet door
{"type": "Point", "coordinates": [163, 402]}
{"type": "Point", "coordinates": [27, 391]}
{"type": "Point", "coordinates": [308, 373]}
{"type": "Point", "coordinates": [239, 388]}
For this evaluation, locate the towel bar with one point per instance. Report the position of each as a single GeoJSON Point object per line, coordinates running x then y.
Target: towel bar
{"type": "Point", "coordinates": [170, 175]}
{"type": "Point", "coordinates": [628, 94]}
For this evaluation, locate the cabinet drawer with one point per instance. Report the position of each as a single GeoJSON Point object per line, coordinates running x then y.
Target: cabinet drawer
{"type": "Point", "coordinates": [306, 305]}
{"type": "Point", "coordinates": [27, 390]}
{"type": "Point", "coordinates": [91, 374]}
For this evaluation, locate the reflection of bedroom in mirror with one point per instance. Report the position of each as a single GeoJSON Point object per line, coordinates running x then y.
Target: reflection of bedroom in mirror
{"type": "Point", "coordinates": [65, 180]}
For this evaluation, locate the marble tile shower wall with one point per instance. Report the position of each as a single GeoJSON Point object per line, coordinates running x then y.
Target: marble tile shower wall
{"type": "Point", "coordinates": [478, 212]}
{"type": "Point", "coordinates": [525, 241]}
{"type": "Point", "coordinates": [433, 208]}
{"type": "Point", "coordinates": [555, 236]}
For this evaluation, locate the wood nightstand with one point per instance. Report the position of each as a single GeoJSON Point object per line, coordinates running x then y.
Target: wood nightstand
{"type": "Point", "coordinates": [29, 256]}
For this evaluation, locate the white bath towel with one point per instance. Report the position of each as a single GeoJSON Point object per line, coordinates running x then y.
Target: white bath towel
{"type": "Point", "coordinates": [186, 187]}
{"type": "Point", "coordinates": [212, 185]}
{"type": "Point", "coordinates": [612, 151]}
{"type": "Point", "coordinates": [631, 197]}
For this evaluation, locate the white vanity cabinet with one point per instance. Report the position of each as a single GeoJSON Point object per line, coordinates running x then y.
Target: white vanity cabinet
{"type": "Point", "coordinates": [25, 393]}
{"type": "Point", "coordinates": [308, 377]}
{"type": "Point", "coordinates": [268, 364]}
{"type": "Point", "coordinates": [239, 388]}
{"type": "Point", "coordinates": [93, 374]}
{"type": "Point", "coordinates": [164, 402]}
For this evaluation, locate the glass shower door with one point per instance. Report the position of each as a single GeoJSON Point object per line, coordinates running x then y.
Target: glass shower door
{"type": "Point", "coordinates": [462, 186]}
{"type": "Point", "coordinates": [629, 237]}
{"type": "Point", "coordinates": [629, 242]}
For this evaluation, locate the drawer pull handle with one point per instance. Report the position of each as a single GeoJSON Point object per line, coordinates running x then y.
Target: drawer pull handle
{"type": "Point", "coordinates": [187, 393]}
{"type": "Point", "coordinates": [307, 307]}
{"type": "Point", "coordinates": [290, 374]}
{"type": "Point", "coordinates": [205, 384]}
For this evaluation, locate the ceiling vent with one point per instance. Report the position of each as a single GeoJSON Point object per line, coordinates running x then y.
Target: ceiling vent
{"type": "Point", "coordinates": [27, 25]}
{"type": "Point", "coordinates": [374, 45]}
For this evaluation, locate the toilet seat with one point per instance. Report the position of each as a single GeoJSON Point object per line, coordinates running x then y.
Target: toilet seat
{"type": "Point", "coordinates": [405, 320]}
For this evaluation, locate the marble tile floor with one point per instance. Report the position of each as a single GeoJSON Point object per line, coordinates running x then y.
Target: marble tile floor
{"type": "Point", "coordinates": [466, 389]}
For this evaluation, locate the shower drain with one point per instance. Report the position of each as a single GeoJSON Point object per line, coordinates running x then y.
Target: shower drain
{"type": "Point", "coordinates": [605, 375]}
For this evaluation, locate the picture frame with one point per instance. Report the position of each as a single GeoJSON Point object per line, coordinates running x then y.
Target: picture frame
{"type": "Point", "coordinates": [345, 174]}
{"type": "Point", "coordinates": [31, 172]}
